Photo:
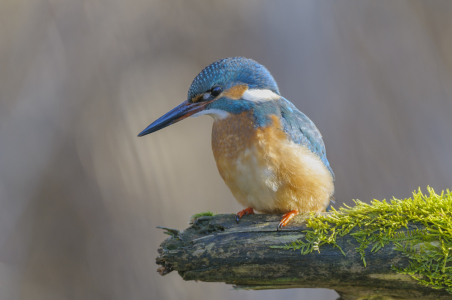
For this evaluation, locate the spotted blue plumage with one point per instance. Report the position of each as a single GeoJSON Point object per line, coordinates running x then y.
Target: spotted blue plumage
{"type": "Point", "coordinates": [233, 70]}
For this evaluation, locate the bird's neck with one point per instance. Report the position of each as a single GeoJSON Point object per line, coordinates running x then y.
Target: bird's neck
{"type": "Point", "coordinates": [232, 135]}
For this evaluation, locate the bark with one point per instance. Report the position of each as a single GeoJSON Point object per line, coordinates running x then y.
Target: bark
{"type": "Point", "coordinates": [217, 249]}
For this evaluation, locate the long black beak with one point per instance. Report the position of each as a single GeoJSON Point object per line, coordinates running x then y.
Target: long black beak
{"type": "Point", "coordinates": [180, 112]}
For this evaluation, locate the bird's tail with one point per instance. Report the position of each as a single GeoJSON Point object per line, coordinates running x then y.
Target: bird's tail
{"type": "Point", "coordinates": [332, 201]}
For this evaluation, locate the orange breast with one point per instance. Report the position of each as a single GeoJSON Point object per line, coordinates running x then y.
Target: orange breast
{"type": "Point", "coordinates": [267, 172]}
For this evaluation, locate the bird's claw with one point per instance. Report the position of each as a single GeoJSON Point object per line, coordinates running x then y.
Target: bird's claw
{"type": "Point", "coordinates": [286, 218]}
{"type": "Point", "coordinates": [246, 211]}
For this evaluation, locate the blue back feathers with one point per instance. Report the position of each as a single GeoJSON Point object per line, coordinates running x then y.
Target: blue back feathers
{"type": "Point", "coordinates": [301, 130]}
{"type": "Point", "coordinates": [233, 70]}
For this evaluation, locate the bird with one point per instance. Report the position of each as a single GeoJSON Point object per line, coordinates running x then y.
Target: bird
{"type": "Point", "coordinates": [270, 155]}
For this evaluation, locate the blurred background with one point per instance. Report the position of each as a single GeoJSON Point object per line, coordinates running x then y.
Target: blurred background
{"type": "Point", "coordinates": [81, 195]}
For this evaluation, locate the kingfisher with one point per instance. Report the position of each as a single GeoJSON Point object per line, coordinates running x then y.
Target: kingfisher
{"type": "Point", "coordinates": [270, 155]}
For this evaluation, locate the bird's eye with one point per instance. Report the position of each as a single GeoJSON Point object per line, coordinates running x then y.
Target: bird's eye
{"type": "Point", "coordinates": [215, 91]}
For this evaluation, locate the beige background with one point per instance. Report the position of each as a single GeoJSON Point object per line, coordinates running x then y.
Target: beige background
{"type": "Point", "coordinates": [81, 195]}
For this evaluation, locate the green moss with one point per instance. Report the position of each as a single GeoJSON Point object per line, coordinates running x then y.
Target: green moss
{"type": "Point", "coordinates": [380, 223]}
{"type": "Point", "coordinates": [203, 214]}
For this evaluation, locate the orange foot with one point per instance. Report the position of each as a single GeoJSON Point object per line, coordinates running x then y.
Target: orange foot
{"type": "Point", "coordinates": [246, 211]}
{"type": "Point", "coordinates": [287, 217]}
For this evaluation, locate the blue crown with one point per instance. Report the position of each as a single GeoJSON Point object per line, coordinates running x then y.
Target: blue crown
{"type": "Point", "coordinates": [233, 69]}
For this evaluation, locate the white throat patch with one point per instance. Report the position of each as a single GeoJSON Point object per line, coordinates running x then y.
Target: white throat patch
{"type": "Point", "coordinates": [256, 95]}
{"type": "Point", "coordinates": [217, 114]}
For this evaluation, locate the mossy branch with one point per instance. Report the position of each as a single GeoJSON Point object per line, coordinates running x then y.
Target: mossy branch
{"type": "Point", "coordinates": [394, 249]}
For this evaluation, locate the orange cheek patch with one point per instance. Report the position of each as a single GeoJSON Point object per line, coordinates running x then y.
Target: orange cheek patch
{"type": "Point", "coordinates": [197, 98]}
{"type": "Point", "coordinates": [235, 92]}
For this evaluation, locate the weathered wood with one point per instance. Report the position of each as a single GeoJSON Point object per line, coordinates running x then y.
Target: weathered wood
{"type": "Point", "coordinates": [217, 249]}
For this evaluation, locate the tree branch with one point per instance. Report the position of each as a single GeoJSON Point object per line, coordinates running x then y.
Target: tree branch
{"type": "Point", "coordinates": [217, 249]}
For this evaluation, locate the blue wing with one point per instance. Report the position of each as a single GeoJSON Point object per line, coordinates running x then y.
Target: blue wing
{"type": "Point", "coordinates": [302, 130]}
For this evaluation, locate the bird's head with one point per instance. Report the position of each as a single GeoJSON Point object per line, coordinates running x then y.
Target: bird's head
{"type": "Point", "coordinates": [227, 86]}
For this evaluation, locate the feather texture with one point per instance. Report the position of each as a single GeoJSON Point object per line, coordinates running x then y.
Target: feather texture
{"type": "Point", "coordinates": [301, 130]}
{"type": "Point", "coordinates": [266, 170]}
